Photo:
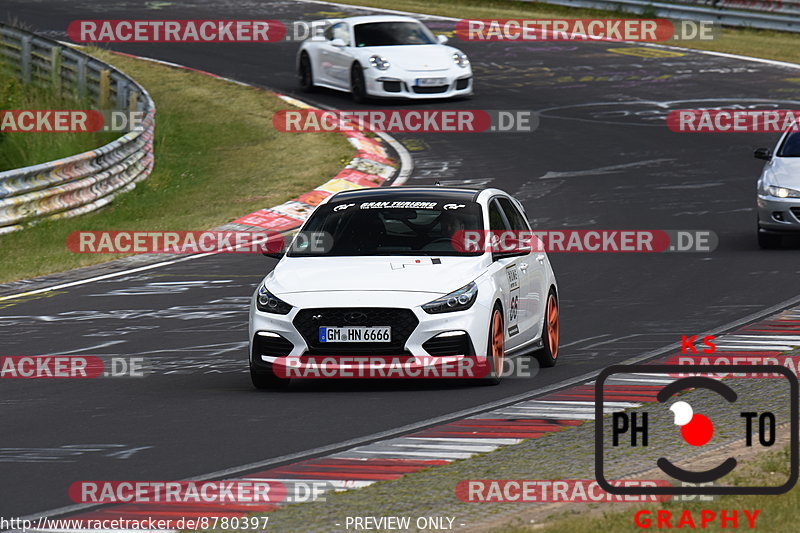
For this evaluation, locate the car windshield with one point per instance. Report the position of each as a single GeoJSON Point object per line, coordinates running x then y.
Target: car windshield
{"type": "Point", "coordinates": [367, 228]}
{"type": "Point", "coordinates": [790, 146]}
{"type": "Point", "coordinates": [392, 34]}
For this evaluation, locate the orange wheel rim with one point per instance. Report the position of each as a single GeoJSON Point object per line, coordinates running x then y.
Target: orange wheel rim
{"type": "Point", "coordinates": [498, 342]}
{"type": "Point", "coordinates": [553, 329]}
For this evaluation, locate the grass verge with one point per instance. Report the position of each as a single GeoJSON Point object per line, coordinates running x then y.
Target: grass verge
{"type": "Point", "coordinates": [777, 514]}
{"type": "Point", "coordinates": [218, 157]}
{"type": "Point", "coordinates": [766, 44]}
{"type": "Point", "coordinates": [21, 149]}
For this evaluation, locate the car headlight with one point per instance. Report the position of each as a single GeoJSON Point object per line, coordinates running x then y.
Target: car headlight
{"type": "Point", "coordinates": [461, 59]}
{"type": "Point", "coordinates": [269, 303]}
{"type": "Point", "coordinates": [782, 192]}
{"type": "Point", "coordinates": [379, 62]}
{"type": "Point", "coordinates": [459, 300]}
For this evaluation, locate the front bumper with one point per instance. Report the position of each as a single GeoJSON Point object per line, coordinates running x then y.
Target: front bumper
{"type": "Point", "coordinates": [274, 339]}
{"type": "Point", "coordinates": [389, 84]}
{"type": "Point", "coordinates": [778, 215]}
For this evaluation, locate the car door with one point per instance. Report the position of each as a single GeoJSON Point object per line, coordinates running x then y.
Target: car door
{"type": "Point", "coordinates": [532, 274]}
{"type": "Point", "coordinates": [335, 60]}
{"type": "Point", "coordinates": [507, 269]}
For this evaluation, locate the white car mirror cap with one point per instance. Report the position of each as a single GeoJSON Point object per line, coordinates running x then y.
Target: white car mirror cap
{"type": "Point", "coordinates": [338, 43]}
{"type": "Point", "coordinates": [441, 38]}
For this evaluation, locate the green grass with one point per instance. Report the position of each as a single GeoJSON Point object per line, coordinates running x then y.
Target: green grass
{"type": "Point", "coordinates": [21, 149]}
{"type": "Point", "coordinates": [782, 46]}
{"type": "Point", "coordinates": [218, 157]}
{"type": "Point", "coordinates": [778, 514]}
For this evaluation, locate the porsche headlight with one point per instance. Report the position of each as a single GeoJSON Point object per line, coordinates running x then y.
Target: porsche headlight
{"type": "Point", "coordinates": [461, 59]}
{"type": "Point", "coordinates": [379, 62]}
{"type": "Point", "coordinates": [269, 303]}
{"type": "Point", "coordinates": [459, 300]}
{"type": "Point", "coordinates": [782, 192]}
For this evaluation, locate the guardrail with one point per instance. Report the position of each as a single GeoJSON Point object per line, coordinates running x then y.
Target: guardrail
{"type": "Point", "coordinates": [85, 182]}
{"type": "Point", "coordinates": [761, 15]}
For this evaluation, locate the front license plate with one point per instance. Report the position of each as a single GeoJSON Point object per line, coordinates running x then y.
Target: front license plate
{"type": "Point", "coordinates": [355, 334]}
{"type": "Point", "coordinates": [431, 82]}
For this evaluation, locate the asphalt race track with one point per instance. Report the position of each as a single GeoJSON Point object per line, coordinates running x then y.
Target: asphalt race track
{"type": "Point", "coordinates": [602, 158]}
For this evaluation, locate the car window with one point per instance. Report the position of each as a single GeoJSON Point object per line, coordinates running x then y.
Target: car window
{"type": "Point", "coordinates": [341, 31]}
{"type": "Point", "coordinates": [413, 226]}
{"type": "Point", "coordinates": [514, 216]}
{"type": "Point", "coordinates": [328, 33]}
{"type": "Point", "coordinates": [790, 146]}
{"type": "Point", "coordinates": [496, 221]}
{"type": "Point", "coordinates": [392, 34]}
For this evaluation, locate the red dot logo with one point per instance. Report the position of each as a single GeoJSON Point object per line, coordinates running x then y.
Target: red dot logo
{"type": "Point", "coordinates": [696, 429]}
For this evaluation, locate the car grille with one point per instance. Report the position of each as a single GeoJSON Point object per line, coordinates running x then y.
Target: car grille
{"type": "Point", "coordinates": [392, 86]}
{"type": "Point", "coordinates": [462, 84]}
{"type": "Point", "coordinates": [272, 346]}
{"type": "Point", "coordinates": [449, 345]}
{"type": "Point", "coordinates": [436, 89]}
{"type": "Point", "coordinates": [402, 321]}
{"type": "Point", "coordinates": [795, 211]}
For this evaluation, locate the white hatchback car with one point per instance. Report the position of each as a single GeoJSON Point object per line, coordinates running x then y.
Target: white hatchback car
{"type": "Point", "coordinates": [391, 282]}
{"type": "Point", "coordinates": [383, 56]}
{"type": "Point", "coordinates": [778, 195]}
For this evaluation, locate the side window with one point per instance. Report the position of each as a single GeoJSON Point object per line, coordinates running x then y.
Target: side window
{"type": "Point", "coordinates": [514, 216]}
{"type": "Point", "coordinates": [341, 31]}
{"type": "Point", "coordinates": [328, 33]}
{"type": "Point", "coordinates": [496, 222]}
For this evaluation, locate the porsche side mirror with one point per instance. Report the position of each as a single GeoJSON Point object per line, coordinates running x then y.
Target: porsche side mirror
{"type": "Point", "coordinates": [762, 153]}
{"type": "Point", "coordinates": [338, 43]}
{"type": "Point", "coordinates": [441, 38]}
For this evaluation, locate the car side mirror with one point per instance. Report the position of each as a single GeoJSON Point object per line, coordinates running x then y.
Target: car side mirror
{"type": "Point", "coordinates": [763, 153]}
{"type": "Point", "coordinates": [441, 38]}
{"type": "Point", "coordinates": [338, 43]}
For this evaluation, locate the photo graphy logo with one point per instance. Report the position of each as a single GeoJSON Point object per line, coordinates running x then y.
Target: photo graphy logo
{"type": "Point", "coordinates": [692, 414]}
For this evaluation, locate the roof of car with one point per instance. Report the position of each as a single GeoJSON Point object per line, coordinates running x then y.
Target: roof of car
{"type": "Point", "coordinates": [378, 18]}
{"type": "Point", "coordinates": [409, 193]}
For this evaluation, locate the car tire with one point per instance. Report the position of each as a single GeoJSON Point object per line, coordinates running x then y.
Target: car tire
{"type": "Point", "coordinates": [768, 241]}
{"type": "Point", "coordinates": [305, 75]}
{"type": "Point", "coordinates": [267, 380]}
{"type": "Point", "coordinates": [358, 88]}
{"type": "Point", "coordinates": [495, 348]}
{"type": "Point", "coordinates": [551, 333]}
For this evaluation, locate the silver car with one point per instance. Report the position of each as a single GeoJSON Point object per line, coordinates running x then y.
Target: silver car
{"type": "Point", "coordinates": [779, 190]}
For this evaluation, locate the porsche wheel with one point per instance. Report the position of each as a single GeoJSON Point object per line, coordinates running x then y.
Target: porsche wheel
{"type": "Point", "coordinates": [358, 86]}
{"type": "Point", "coordinates": [305, 76]}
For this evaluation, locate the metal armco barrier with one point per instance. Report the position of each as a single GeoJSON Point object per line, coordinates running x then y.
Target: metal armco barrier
{"type": "Point", "coordinates": [81, 183]}
{"type": "Point", "coordinates": [781, 15]}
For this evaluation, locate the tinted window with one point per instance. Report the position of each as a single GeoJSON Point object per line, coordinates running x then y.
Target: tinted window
{"type": "Point", "coordinates": [790, 146]}
{"type": "Point", "coordinates": [408, 227]}
{"type": "Point", "coordinates": [514, 216]}
{"type": "Point", "coordinates": [392, 34]}
{"type": "Point", "coordinates": [496, 222]}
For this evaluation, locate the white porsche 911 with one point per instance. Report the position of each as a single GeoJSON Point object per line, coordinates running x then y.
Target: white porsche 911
{"type": "Point", "coordinates": [383, 56]}
{"type": "Point", "coordinates": [389, 281]}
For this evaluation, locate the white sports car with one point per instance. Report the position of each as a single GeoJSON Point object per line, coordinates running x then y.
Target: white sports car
{"type": "Point", "coordinates": [383, 56]}
{"type": "Point", "coordinates": [389, 281]}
